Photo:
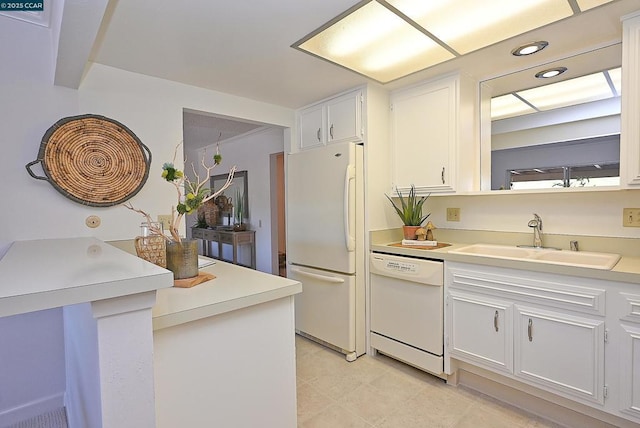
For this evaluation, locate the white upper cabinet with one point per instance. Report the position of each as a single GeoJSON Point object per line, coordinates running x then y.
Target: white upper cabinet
{"type": "Point", "coordinates": [433, 144]}
{"type": "Point", "coordinates": [311, 122]}
{"type": "Point", "coordinates": [335, 120]}
{"type": "Point", "coordinates": [630, 132]}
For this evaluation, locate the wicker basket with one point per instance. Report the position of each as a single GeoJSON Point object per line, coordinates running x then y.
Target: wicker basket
{"type": "Point", "coordinates": [93, 160]}
{"type": "Point", "coordinates": [209, 212]}
{"type": "Point", "coordinates": [153, 249]}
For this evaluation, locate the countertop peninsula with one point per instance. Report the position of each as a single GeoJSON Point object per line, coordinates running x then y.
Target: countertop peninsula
{"type": "Point", "coordinates": [49, 273]}
{"type": "Point", "coordinates": [235, 287]}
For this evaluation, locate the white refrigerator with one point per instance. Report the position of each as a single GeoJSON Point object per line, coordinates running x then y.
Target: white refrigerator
{"type": "Point", "coordinates": [325, 244]}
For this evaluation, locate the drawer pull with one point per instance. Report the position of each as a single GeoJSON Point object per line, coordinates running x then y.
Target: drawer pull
{"type": "Point", "coordinates": [318, 134]}
{"type": "Point", "coordinates": [442, 175]}
{"type": "Point", "coordinates": [530, 330]}
{"type": "Point", "coordinates": [495, 321]}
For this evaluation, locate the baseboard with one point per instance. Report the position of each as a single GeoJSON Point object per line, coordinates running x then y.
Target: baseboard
{"type": "Point", "coordinates": [31, 409]}
{"type": "Point", "coordinates": [556, 409]}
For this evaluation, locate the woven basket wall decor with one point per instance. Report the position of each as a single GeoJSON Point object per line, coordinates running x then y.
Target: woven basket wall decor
{"type": "Point", "coordinates": [93, 160]}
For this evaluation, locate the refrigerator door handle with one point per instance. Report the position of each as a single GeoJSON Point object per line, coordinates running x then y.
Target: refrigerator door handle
{"type": "Point", "coordinates": [350, 241]}
{"type": "Point", "coordinates": [324, 278]}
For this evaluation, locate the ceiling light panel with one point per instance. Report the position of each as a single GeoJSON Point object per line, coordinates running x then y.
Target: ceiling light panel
{"type": "Point", "coordinates": [580, 90]}
{"type": "Point", "coordinates": [508, 106]}
{"type": "Point", "coordinates": [616, 78]}
{"type": "Point", "coordinates": [468, 25]}
{"type": "Point", "coordinates": [377, 43]}
{"type": "Point", "coordinates": [590, 4]}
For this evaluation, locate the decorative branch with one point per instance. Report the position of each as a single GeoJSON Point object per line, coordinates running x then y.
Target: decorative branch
{"type": "Point", "coordinates": [191, 194]}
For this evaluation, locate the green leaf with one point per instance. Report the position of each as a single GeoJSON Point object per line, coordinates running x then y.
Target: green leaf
{"type": "Point", "coordinates": [410, 210]}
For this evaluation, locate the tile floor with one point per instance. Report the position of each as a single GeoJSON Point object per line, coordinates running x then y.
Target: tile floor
{"type": "Point", "coordinates": [379, 392]}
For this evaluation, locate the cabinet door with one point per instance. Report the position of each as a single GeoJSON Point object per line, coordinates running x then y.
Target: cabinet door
{"type": "Point", "coordinates": [480, 331]}
{"type": "Point", "coordinates": [424, 138]}
{"type": "Point", "coordinates": [311, 127]}
{"type": "Point", "coordinates": [630, 369]}
{"type": "Point", "coordinates": [561, 353]}
{"type": "Point", "coordinates": [630, 126]}
{"type": "Point", "coordinates": [344, 118]}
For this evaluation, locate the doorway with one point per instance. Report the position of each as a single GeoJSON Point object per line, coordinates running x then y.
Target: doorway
{"type": "Point", "coordinates": [278, 220]}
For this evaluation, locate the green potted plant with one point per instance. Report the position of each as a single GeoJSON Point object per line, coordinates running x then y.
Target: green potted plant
{"type": "Point", "coordinates": [410, 211]}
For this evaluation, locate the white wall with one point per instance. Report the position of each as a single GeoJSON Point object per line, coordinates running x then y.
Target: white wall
{"type": "Point", "coordinates": [32, 371]}
{"type": "Point", "coordinates": [32, 368]}
{"type": "Point", "coordinates": [596, 213]}
{"type": "Point", "coordinates": [153, 108]}
{"type": "Point", "coordinates": [252, 153]}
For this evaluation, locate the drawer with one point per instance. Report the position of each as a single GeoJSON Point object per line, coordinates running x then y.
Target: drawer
{"type": "Point", "coordinates": [210, 235]}
{"type": "Point", "coordinates": [245, 238]}
{"type": "Point", "coordinates": [552, 290]}
{"type": "Point", "coordinates": [198, 233]}
{"type": "Point", "coordinates": [225, 238]}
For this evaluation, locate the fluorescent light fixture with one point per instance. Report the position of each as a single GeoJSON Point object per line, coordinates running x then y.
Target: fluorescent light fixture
{"type": "Point", "coordinates": [592, 87]}
{"type": "Point", "coordinates": [551, 72]}
{"type": "Point", "coordinates": [615, 75]}
{"type": "Point", "coordinates": [389, 39]}
{"type": "Point", "coordinates": [530, 48]}
{"type": "Point", "coordinates": [377, 43]}
{"type": "Point", "coordinates": [590, 4]}
{"type": "Point", "coordinates": [468, 25]}
{"type": "Point", "coordinates": [570, 92]}
{"type": "Point", "coordinates": [508, 106]}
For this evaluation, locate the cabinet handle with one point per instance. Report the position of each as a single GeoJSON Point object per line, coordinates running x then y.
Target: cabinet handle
{"type": "Point", "coordinates": [530, 330]}
{"type": "Point", "coordinates": [442, 175]}
{"type": "Point", "coordinates": [495, 321]}
{"type": "Point", "coordinates": [331, 131]}
{"type": "Point", "coordinates": [318, 134]}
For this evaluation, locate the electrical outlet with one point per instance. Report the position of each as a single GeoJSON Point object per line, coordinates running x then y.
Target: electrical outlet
{"type": "Point", "coordinates": [453, 214]}
{"type": "Point", "coordinates": [631, 217]}
{"type": "Point", "coordinates": [165, 220]}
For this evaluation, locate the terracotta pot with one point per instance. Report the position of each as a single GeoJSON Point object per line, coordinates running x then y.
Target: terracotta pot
{"type": "Point", "coordinates": [410, 231]}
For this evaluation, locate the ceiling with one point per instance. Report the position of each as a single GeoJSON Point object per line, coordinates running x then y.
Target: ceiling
{"type": "Point", "coordinates": [244, 47]}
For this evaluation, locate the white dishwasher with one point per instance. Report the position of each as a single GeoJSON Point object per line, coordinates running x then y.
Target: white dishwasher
{"type": "Point", "coordinates": [407, 310]}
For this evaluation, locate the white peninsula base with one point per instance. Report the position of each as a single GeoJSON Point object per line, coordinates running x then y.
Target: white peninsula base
{"type": "Point", "coordinates": [224, 351]}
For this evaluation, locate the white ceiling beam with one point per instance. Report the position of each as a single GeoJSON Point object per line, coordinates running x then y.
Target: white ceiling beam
{"type": "Point", "coordinates": [81, 21]}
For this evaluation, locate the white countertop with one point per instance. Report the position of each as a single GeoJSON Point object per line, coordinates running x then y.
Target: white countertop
{"type": "Point", "coordinates": [49, 273]}
{"type": "Point", "coordinates": [235, 287]}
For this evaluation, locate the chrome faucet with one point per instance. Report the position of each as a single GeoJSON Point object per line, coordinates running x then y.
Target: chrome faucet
{"type": "Point", "coordinates": [536, 224]}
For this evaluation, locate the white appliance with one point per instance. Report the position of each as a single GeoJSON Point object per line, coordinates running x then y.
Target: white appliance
{"type": "Point", "coordinates": [407, 312]}
{"type": "Point", "coordinates": [325, 245]}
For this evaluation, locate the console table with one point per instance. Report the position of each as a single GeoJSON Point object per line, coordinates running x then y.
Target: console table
{"type": "Point", "coordinates": [235, 239]}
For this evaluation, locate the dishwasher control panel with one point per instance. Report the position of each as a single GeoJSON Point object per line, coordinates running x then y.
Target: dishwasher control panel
{"type": "Point", "coordinates": [416, 270]}
{"type": "Point", "coordinates": [398, 266]}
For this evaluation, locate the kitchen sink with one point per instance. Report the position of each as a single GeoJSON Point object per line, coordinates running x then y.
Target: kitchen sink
{"type": "Point", "coordinates": [541, 255]}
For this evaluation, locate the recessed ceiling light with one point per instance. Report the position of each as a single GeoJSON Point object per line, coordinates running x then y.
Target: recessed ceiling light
{"type": "Point", "coordinates": [529, 48]}
{"type": "Point", "coordinates": [551, 72]}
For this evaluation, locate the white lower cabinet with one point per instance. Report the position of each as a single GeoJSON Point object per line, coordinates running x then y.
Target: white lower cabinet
{"type": "Point", "coordinates": [567, 336]}
{"type": "Point", "coordinates": [630, 354]}
{"type": "Point", "coordinates": [560, 352]}
{"type": "Point", "coordinates": [482, 331]}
